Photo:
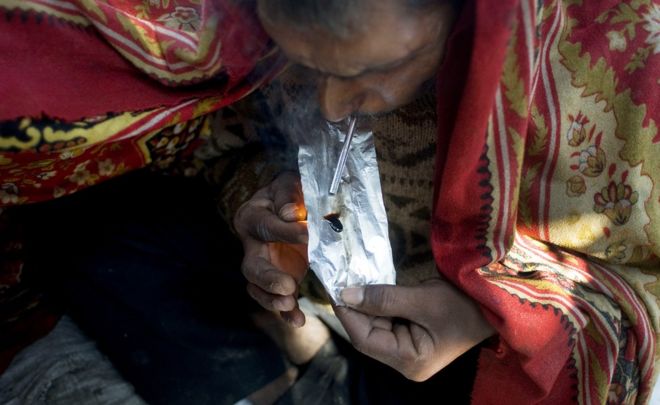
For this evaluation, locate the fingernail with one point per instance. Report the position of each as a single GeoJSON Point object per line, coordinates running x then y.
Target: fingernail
{"type": "Point", "coordinates": [292, 212]}
{"type": "Point", "coordinates": [352, 296]}
{"type": "Point", "coordinates": [283, 304]}
{"type": "Point", "coordinates": [291, 320]}
{"type": "Point", "coordinates": [301, 213]}
{"type": "Point", "coordinates": [288, 212]}
{"type": "Point", "coordinates": [286, 316]}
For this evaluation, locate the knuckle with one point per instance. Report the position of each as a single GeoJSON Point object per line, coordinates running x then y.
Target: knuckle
{"type": "Point", "coordinates": [265, 301]}
{"type": "Point", "coordinates": [250, 212]}
{"type": "Point", "coordinates": [262, 231]}
{"type": "Point", "coordinates": [275, 286]}
{"type": "Point", "coordinates": [413, 365]}
{"type": "Point", "coordinates": [266, 304]}
{"type": "Point", "coordinates": [254, 272]}
{"type": "Point", "coordinates": [245, 269]}
{"type": "Point", "coordinates": [270, 302]}
{"type": "Point", "coordinates": [248, 268]}
{"type": "Point", "coordinates": [382, 298]}
{"type": "Point", "coordinates": [239, 219]}
{"type": "Point", "coordinates": [409, 356]}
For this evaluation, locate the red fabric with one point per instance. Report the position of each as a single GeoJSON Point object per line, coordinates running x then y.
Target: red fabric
{"type": "Point", "coordinates": [471, 70]}
{"type": "Point", "coordinates": [474, 62]}
{"type": "Point", "coordinates": [65, 71]}
{"type": "Point", "coordinates": [81, 71]}
{"type": "Point", "coordinates": [556, 346]}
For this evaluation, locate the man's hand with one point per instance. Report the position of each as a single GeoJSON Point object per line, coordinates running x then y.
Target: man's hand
{"type": "Point", "coordinates": [415, 330]}
{"type": "Point", "coordinates": [274, 235]}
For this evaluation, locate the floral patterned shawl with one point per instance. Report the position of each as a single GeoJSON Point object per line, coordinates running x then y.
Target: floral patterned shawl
{"type": "Point", "coordinates": [547, 205]}
{"type": "Point", "coordinates": [66, 105]}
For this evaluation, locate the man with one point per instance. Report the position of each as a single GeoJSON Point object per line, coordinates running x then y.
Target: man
{"type": "Point", "coordinates": [544, 217]}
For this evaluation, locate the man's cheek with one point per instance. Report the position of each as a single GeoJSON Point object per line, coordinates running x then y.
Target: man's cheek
{"type": "Point", "coordinates": [397, 96]}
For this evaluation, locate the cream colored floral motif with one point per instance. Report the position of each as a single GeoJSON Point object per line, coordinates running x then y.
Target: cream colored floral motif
{"type": "Point", "coordinates": [616, 252]}
{"type": "Point", "coordinates": [617, 41]}
{"type": "Point", "coordinates": [178, 128]}
{"type": "Point", "coordinates": [624, 22]}
{"type": "Point", "coordinates": [66, 155]}
{"type": "Point", "coordinates": [82, 176]}
{"type": "Point", "coordinates": [106, 167]}
{"type": "Point", "coordinates": [58, 192]}
{"type": "Point", "coordinates": [577, 132]}
{"type": "Point", "coordinates": [652, 26]}
{"type": "Point", "coordinates": [592, 161]}
{"type": "Point", "coordinates": [616, 201]}
{"type": "Point", "coordinates": [47, 175]}
{"type": "Point", "coordinates": [9, 193]}
{"type": "Point", "coordinates": [576, 186]}
{"type": "Point", "coordinates": [183, 18]}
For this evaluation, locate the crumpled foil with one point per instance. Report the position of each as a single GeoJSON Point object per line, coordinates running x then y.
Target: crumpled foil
{"type": "Point", "coordinates": [360, 253]}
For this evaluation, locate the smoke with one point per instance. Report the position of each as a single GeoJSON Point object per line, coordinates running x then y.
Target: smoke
{"type": "Point", "coordinates": [293, 100]}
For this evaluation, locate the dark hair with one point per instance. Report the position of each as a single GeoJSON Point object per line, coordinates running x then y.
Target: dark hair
{"type": "Point", "coordinates": [339, 17]}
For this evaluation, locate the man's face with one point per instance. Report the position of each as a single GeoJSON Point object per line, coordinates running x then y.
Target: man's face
{"type": "Point", "coordinates": [376, 68]}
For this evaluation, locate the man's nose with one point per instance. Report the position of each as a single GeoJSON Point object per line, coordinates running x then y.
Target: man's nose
{"type": "Point", "coordinates": [339, 98]}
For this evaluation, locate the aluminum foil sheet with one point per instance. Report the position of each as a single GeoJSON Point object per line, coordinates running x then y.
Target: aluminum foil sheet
{"type": "Point", "coordinates": [348, 233]}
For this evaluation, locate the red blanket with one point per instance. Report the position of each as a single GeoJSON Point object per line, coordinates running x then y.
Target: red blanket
{"type": "Point", "coordinates": [546, 205]}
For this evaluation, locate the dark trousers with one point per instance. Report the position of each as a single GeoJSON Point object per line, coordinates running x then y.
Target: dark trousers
{"type": "Point", "coordinates": [147, 268]}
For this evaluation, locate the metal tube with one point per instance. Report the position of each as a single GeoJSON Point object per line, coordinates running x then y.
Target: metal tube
{"type": "Point", "coordinates": [341, 163]}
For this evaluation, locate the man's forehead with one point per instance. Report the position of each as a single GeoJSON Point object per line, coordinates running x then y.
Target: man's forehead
{"type": "Point", "coordinates": [370, 50]}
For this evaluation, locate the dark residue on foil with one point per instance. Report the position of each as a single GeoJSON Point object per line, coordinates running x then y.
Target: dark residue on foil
{"type": "Point", "coordinates": [335, 223]}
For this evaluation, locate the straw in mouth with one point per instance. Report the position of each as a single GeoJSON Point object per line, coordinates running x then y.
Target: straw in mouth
{"type": "Point", "coordinates": [341, 163]}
